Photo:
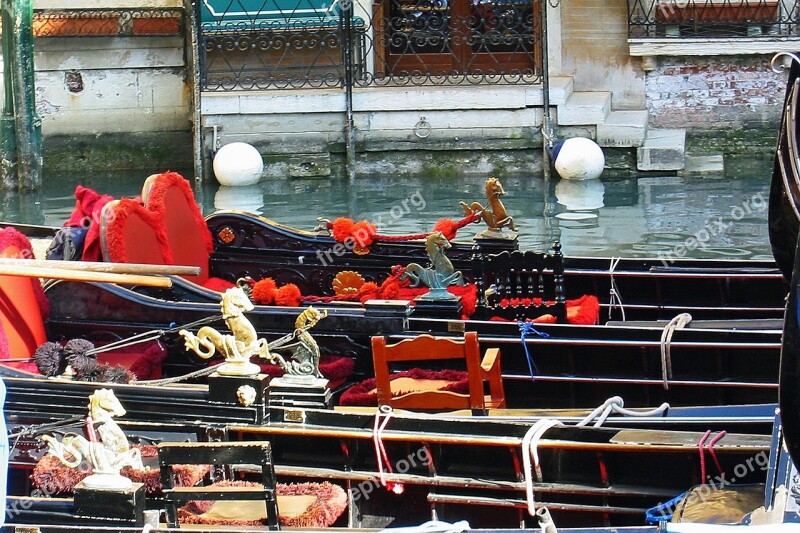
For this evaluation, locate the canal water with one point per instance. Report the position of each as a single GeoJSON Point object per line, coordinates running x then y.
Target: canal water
{"type": "Point", "coordinates": [710, 217]}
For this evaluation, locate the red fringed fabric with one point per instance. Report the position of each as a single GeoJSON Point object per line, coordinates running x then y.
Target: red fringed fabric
{"type": "Point", "coordinates": [12, 237]}
{"type": "Point", "coordinates": [330, 503]}
{"type": "Point", "coordinates": [88, 205]}
{"type": "Point", "coordinates": [148, 364]}
{"type": "Point", "coordinates": [364, 394]}
{"type": "Point", "coordinates": [155, 203]}
{"type": "Point", "coordinates": [115, 240]}
{"type": "Point", "coordinates": [54, 478]}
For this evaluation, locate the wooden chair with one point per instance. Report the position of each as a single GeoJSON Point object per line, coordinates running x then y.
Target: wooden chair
{"type": "Point", "coordinates": [518, 285]}
{"type": "Point", "coordinates": [428, 348]}
{"type": "Point", "coordinates": [218, 454]}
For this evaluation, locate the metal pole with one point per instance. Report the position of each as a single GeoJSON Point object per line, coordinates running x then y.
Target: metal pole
{"type": "Point", "coordinates": [192, 44]}
{"type": "Point", "coordinates": [28, 123]}
{"type": "Point", "coordinates": [8, 139]}
{"type": "Point", "coordinates": [546, 128]}
{"type": "Point", "coordinates": [349, 132]}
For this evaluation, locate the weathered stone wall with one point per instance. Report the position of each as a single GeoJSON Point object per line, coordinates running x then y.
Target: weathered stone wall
{"type": "Point", "coordinates": [715, 93]}
{"type": "Point", "coordinates": [594, 44]}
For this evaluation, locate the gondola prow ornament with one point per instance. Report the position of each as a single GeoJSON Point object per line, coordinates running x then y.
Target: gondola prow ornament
{"type": "Point", "coordinates": [105, 447]}
{"type": "Point", "coordinates": [441, 275]}
{"type": "Point", "coordinates": [237, 348]}
{"type": "Point", "coordinates": [494, 214]}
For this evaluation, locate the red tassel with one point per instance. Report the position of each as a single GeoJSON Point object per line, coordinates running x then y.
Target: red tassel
{"type": "Point", "coordinates": [288, 295]}
{"type": "Point", "coordinates": [264, 291]}
{"type": "Point", "coordinates": [342, 228]}
{"type": "Point", "coordinates": [447, 227]}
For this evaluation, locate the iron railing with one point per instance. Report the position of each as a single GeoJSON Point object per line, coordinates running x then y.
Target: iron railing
{"type": "Point", "coordinates": [108, 22]}
{"type": "Point", "coordinates": [712, 18]}
{"type": "Point", "coordinates": [265, 44]}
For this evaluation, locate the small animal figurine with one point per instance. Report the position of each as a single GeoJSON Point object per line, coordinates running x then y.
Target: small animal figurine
{"type": "Point", "coordinates": [495, 214]}
{"type": "Point", "coordinates": [441, 275]}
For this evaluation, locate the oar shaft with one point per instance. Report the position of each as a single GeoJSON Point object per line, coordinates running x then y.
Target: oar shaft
{"type": "Point", "coordinates": [94, 266]}
{"type": "Point", "coordinates": [75, 275]}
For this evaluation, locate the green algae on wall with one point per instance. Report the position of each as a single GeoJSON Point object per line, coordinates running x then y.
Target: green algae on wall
{"type": "Point", "coordinates": [149, 152]}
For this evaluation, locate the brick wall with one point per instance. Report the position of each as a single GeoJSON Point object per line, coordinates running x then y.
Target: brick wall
{"type": "Point", "coordinates": [704, 93]}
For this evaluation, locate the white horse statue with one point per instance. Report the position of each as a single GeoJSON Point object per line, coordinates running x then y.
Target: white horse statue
{"type": "Point", "coordinates": [106, 449]}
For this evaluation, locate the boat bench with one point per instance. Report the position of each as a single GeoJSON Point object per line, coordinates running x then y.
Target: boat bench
{"type": "Point", "coordinates": [520, 285]}
{"type": "Point", "coordinates": [218, 454]}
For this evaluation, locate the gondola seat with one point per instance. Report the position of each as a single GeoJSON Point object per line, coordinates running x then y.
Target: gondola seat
{"type": "Point", "coordinates": [303, 505]}
{"type": "Point", "coordinates": [167, 229]}
{"type": "Point", "coordinates": [437, 389]}
{"type": "Point", "coordinates": [23, 304]}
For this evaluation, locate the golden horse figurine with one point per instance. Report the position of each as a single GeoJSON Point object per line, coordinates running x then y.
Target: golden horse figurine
{"type": "Point", "coordinates": [106, 450]}
{"type": "Point", "coordinates": [495, 214]}
{"type": "Point", "coordinates": [237, 348]}
{"type": "Point", "coordinates": [440, 276]}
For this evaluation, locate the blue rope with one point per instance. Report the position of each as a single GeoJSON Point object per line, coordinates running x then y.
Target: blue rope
{"type": "Point", "coordinates": [525, 329]}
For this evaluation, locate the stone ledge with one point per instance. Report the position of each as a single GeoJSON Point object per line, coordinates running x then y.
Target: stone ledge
{"type": "Point", "coordinates": [710, 47]}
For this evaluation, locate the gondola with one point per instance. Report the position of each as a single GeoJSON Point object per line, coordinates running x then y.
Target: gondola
{"type": "Point", "coordinates": [474, 467]}
{"type": "Point", "coordinates": [703, 362]}
{"type": "Point", "coordinates": [632, 289]}
{"type": "Point", "coordinates": [783, 219]}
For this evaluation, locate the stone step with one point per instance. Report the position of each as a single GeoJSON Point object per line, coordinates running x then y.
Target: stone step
{"type": "Point", "coordinates": [704, 165]}
{"type": "Point", "coordinates": [560, 91]}
{"type": "Point", "coordinates": [623, 129]}
{"type": "Point", "coordinates": [663, 149]}
{"type": "Point", "coordinates": [584, 108]}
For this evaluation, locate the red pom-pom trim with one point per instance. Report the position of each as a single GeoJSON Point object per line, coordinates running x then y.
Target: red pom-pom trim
{"type": "Point", "coordinates": [289, 295]}
{"type": "Point", "coordinates": [264, 291]}
{"type": "Point", "coordinates": [448, 228]}
{"type": "Point", "coordinates": [342, 228]}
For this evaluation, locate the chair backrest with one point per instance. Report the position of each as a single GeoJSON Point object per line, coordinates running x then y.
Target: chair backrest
{"type": "Point", "coordinates": [131, 234]}
{"type": "Point", "coordinates": [167, 229]}
{"type": "Point", "coordinates": [518, 285]}
{"type": "Point", "coordinates": [170, 196]}
{"type": "Point", "coordinates": [428, 348]}
{"type": "Point", "coordinates": [218, 454]}
{"type": "Point", "coordinates": [21, 313]}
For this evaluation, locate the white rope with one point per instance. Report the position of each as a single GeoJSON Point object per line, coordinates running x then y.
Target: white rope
{"type": "Point", "coordinates": [615, 404]}
{"type": "Point", "coordinates": [433, 526]}
{"type": "Point", "coordinates": [614, 299]}
{"type": "Point", "coordinates": [678, 322]}
{"type": "Point", "coordinates": [530, 450]}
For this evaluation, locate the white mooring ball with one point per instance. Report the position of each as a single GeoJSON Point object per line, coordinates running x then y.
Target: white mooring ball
{"type": "Point", "coordinates": [579, 159]}
{"type": "Point", "coordinates": [238, 164]}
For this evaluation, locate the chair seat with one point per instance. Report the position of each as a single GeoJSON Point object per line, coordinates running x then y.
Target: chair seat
{"type": "Point", "coordinates": [300, 505]}
{"type": "Point", "coordinates": [410, 382]}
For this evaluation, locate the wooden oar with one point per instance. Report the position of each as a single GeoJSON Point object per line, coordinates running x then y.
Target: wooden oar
{"type": "Point", "coordinates": [95, 266]}
{"type": "Point", "coordinates": [77, 275]}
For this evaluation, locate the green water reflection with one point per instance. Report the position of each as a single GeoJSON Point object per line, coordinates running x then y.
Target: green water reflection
{"type": "Point", "coordinates": [631, 217]}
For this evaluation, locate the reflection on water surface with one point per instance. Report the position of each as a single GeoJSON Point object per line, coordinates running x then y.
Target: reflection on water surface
{"type": "Point", "coordinates": [631, 217]}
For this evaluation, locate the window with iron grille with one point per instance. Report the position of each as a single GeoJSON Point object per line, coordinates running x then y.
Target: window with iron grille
{"type": "Point", "coordinates": [712, 18]}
